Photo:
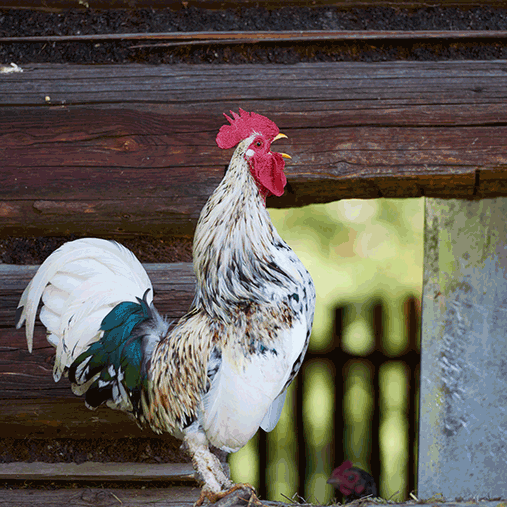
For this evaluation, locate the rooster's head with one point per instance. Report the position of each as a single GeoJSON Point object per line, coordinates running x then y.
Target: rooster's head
{"type": "Point", "coordinates": [352, 482]}
{"type": "Point", "coordinates": [266, 166]}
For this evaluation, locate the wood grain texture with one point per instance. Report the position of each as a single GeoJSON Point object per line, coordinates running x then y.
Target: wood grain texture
{"type": "Point", "coordinates": [101, 497]}
{"type": "Point", "coordinates": [121, 150]}
{"type": "Point", "coordinates": [66, 416]}
{"type": "Point", "coordinates": [173, 284]}
{"type": "Point", "coordinates": [98, 471]}
{"type": "Point", "coordinates": [166, 39]}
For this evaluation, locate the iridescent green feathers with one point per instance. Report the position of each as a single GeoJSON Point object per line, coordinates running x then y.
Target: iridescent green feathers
{"type": "Point", "coordinates": [116, 364]}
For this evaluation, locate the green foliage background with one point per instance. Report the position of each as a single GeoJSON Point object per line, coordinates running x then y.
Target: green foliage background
{"type": "Point", "coordinates": [354, 250]}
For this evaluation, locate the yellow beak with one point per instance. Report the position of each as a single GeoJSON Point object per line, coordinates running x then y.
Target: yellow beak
{"type": "Point", "coordinates": [281, 136]}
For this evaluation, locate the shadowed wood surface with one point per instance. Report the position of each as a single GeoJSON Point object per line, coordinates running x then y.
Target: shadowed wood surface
{"type": "Point", "coordinates": [173, 284]}
{"type": "Point", "coordinates": [101, 497]}
{"type": "Point", "coordinates": [118, 150]}
{"type": "Point", "coordinates": [57, 413]}
{"type": "Point", "coordinates": [98, 471]}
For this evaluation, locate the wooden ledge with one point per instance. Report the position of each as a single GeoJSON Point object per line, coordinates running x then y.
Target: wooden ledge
{"type": "Point", "coordinates": [119, 149]}
{"type": "Point", "coordinates": [101, 497]}
{"type": "Point", "coordinates": [38, 471]}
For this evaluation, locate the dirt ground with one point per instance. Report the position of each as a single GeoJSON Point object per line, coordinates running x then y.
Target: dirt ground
{"type": "Point", "coordinates": [26, 23]}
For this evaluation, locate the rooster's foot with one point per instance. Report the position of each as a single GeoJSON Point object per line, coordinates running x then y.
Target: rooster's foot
{"type": "Point", "coordinates": [239, 494]}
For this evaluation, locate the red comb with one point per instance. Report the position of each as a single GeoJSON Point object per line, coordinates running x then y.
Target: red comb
{"type": "Point", "coordinates": [243, 125]}
{"type": "Point", "coordinates": [344, 466]}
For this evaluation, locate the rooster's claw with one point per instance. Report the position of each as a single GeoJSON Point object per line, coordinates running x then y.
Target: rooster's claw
{"type": "Point", "coordinates": [238, 495]}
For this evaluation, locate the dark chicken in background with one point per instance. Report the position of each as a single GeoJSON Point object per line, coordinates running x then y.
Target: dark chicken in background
{"type": "Point", "coordinates": [352, 482]}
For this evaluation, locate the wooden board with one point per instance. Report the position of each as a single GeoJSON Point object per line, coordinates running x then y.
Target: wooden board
{"type": "Point", "coordinates": [64, 415]}
{"type": "Point", "coordinates": [91, 471]}
{"type": "Point", "coordinates": [119, 150]}
{"type": "Point", "coordinates": [170, 39]}
{"type": "Point", "coordinates": [100, 497]}
{"type": "Point", "coordinates": [173, 284]}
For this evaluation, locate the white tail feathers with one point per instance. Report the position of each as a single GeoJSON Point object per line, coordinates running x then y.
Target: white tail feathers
{"type": "Point", "coordinates": [79, 284]}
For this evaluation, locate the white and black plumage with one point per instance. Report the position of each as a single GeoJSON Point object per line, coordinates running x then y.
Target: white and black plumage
{"type": "Point", "coordinates": [222, 370]}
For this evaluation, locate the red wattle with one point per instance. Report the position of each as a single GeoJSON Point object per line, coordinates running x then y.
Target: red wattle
{"type": "Point", "coordinates": [267, 171]}
{"type": "Point", "coordinates": [345, 490]}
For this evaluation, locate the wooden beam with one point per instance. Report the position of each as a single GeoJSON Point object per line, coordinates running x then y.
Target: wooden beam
{"type": "Point", "coordinates": [64, 415]}
{"type": "Point", "coordinates": [173, 284]}
{"type": "Point", "coordinates": [98, 471]}
{"type": "Point", "coordinates": [101, 497]}
{"type": "Point", "coordinates": [152, 39]}
{"type": "Point", "coordinates": [119, 150]}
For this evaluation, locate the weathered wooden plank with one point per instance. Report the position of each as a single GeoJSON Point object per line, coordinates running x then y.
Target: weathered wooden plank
{"type": "Point", "coordinates": [167, 39]}
{"type": "Point", "coordinates": [179, 496]}
{"type": "Point", "coordinates": [165, 277]}
{"type": "Point", "coordinates": [119, 150]}
{"type": "Point", "coordinates": [174, 286]}
{"type": "Point", "coordinates": [66, 416]}
{"type": "Point", "coordinates": [463, 444]}
{"type": "Point", "coordinates": [91, 471]}
{"type": "Point", "coordinates": [25, 375]}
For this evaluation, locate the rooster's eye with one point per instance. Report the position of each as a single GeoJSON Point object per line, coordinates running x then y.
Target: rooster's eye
{"type": "Point", "coordinates": [258, 144]}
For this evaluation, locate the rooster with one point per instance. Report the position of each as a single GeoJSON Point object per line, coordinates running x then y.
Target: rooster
{"type": "Point", "coordinates": [352, 482]}
{"type": "Point", "coordinates": [220, 372]}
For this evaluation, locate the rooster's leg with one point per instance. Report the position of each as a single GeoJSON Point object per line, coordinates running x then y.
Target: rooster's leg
{"type": "Point", "coordinates": [207, 465]}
